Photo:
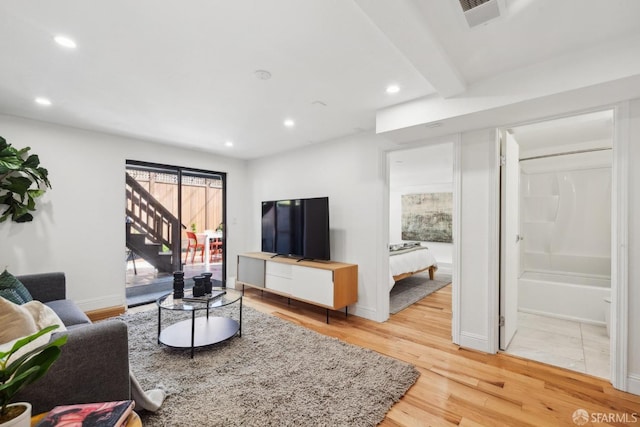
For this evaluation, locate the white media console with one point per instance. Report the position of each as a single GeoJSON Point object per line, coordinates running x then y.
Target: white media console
{"type": "Point", "coordinates": [329, 284]}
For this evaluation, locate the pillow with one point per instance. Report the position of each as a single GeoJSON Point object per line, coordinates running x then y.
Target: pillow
{"type": "Point", "coordinates": [16, 321]}
{"type": "Point", "coordinates": [22, 320]}
{"type": "Point", "coordinates": [12, 289]}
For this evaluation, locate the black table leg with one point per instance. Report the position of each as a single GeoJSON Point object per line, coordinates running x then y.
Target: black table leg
{"type": "Point", "coordinates": [193, 330]}
{"type": "Point", "coordinates": [240, 327]}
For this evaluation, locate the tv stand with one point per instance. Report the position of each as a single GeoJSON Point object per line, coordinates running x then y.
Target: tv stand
{"type": "Point", "coordinates": [329, 284]}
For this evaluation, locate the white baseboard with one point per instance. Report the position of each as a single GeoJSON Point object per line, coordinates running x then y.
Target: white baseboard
{"type": "Point", "coordinates": [562, 317]}
{"type": "Point", "coordinates": [231, 283]}
{"type": "Point", "coordinates": [102, 302]}
{"type": "Point", "coordinates": [445, 268]}
{"type": "Point", "coordinates": [633, 384]}
{"type": "Point", "coordinates": [474, 342]}
{"type": "Point", "coordinates": [365, 312]}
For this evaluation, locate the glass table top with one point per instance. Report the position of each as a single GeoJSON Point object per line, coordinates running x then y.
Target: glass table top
{"type": "Point", "coordinates": [167, 302]}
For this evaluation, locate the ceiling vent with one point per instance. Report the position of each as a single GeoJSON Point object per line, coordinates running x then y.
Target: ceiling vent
{"type": "Point", "coordinates": [478, 12]}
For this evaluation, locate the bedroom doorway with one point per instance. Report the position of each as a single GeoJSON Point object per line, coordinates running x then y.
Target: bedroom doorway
{"type": "Point", "coordinates": [556, 245]}
{"type": "Point", "coordinates": [421, 185]}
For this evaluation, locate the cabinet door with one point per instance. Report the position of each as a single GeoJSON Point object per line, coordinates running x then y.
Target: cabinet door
{"type": "Point", "coordinates": [278, 277]}
{"type": "Point", "coordinates": [251, 271]}
{"type": "Point", "coordinates": [313, 285]}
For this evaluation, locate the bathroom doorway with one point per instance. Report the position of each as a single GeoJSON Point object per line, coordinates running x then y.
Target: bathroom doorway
{"type": "Point", "coordinates": [563, 265]}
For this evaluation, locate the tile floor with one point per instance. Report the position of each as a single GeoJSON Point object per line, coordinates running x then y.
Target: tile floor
{"type": "Point", "coordinates": [572, 345]}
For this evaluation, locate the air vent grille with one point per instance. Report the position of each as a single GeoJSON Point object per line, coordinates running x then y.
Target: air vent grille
{"type": "Point", "coordinates": [478, 12]}
{"type": "Point", "coordinates": [470, 4]}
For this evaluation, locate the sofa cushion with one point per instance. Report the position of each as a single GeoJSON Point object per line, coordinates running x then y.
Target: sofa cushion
{"type": "Point", "coordinates": [69, 312]}
{"type": "Point", "coordinates": [12, 289]}
{"type": "Point", "coordinates": [16, 321]}
{"type": "Point", "coordinates": [20, 321]}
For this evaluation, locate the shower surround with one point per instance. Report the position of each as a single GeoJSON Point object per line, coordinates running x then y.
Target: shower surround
{"type": "Point", "coordinates": [566, 223]}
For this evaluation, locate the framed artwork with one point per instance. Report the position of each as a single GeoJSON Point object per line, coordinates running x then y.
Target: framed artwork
{"type": "Point", "coordinates": [427, 217]}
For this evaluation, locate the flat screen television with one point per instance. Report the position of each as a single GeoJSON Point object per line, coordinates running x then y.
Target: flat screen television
{"type": "Point", "coordinates": [296, 227]}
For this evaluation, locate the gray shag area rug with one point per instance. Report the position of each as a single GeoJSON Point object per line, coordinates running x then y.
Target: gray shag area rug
{"type": "Point", "coordinates": [276, 374]}
{"type": "Point", "coordinates": [412, 289]}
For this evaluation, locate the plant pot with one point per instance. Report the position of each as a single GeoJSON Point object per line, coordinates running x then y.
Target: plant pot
{"type": "Point", "coordinates": [22, 420]}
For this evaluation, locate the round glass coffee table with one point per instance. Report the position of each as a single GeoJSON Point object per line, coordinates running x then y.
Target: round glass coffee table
{"type": "Point", "coordinates": [202, 330]}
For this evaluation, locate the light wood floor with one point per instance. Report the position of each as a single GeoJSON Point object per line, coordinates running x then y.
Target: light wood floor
{"type": "Point", "coordinates": [457, 386]}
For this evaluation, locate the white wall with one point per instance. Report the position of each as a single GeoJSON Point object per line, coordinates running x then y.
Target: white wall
{"type": "Point", "coordinates": [350, 172]}
{"type": "Point", "coordinates": [561, 197]}
{"type": "Point", "coordinates": [427, 169]}
{"type": "Point", "coordinates": [633, 245]}
{"type": "Point", "coordinates": [79, 225]}
{"type": "Point", "coordinates": [478, 238]}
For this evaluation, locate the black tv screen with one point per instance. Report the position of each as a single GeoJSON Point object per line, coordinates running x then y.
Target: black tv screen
{"type": "Point", "coordinates": [296, 227]}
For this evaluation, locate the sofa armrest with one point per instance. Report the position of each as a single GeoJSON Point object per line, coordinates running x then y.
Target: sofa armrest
{"type": "Point", "coordinates": [93, 367]}
{"type": "Point", "coordinates": [45, 287]}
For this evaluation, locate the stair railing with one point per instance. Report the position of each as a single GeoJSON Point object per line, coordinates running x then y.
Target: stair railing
{"type": "Point", "coordinates": [148, 216]}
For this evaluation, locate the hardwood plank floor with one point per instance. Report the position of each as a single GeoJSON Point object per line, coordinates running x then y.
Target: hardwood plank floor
{"type": "Point", "coordinates": [459, 387]}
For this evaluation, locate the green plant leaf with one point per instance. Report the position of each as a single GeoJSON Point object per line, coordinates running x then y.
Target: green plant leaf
{"type": "Point", "coordinates": [26, 374]}
{"type": "Point", "coordinates": [18, 184]}
{"type": "Point", "coordinates": [9, 163]}
{"type": "Point", "coordinates": [15, 365]}
{"type": "Point", "coordinates": [27, 217]}
{"type": "Point", "coordinates": [35, 193]}
{"type": "Point", "coordinates": [21, 182]}
{"type": "Point", "coordinates": [18, 373]}
{"type": "Point", "coordinates": [33, 161]}
{"type": "Point", "coordinates": [26, 340]}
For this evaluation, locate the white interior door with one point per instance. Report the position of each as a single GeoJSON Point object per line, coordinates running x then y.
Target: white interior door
{"type": "Point", "coordinates": [509, 237]}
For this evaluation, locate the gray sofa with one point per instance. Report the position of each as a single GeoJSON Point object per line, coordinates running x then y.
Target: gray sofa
{"type": "Point", "coordinates": [94, 364]}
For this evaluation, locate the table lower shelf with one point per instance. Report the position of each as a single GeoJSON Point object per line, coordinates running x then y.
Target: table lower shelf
{"type": "Point", "coordinates": [207, 331]}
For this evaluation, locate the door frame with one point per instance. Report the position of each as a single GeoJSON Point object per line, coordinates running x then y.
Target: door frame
{"type": "Point", "coordinates": [180, 170]}
{"type": "Point", "coordinates": [507, 317]}
{"type": "Point", "coordinates": [383, 271]}
{"type": "Point", "coordinates": [619, 248]}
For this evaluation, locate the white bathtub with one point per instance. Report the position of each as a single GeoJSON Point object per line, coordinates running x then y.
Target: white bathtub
{"type": "Point", "coordinates": [571, 297]}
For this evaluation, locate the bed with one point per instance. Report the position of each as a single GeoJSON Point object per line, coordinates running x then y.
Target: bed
{"type": "Point", "coordinates": [407, 259]}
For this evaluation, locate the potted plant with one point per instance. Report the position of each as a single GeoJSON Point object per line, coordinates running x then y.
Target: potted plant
{"type": "Point", "coordinates": [22, 370]}
{"type": "Point", "coordinates": [22, 180]}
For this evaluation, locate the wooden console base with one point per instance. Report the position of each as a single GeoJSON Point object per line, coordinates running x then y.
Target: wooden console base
{"type": "Point", "coordinates": [329, 284]}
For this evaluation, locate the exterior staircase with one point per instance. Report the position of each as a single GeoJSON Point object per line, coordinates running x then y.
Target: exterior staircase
{"type": "Point", "coordinates": [153, 233]}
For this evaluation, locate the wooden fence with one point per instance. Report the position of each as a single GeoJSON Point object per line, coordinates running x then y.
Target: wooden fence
{"type": "Point", "coordinates": [201, 197]}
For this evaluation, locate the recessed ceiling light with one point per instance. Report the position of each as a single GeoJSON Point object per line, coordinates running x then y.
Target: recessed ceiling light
{"type": "Point", "coordinates": [289, 123]}
{"type": "Point", "coordinates": [43, 101]}
{"type": "Point", "coordinates": [262, 74]}
{"type": "Point", "coordinates": [393, 89]}
{"type": "Point", "coordinates": [228, 144]}
{"type": "Point", "coordinates": [65, 42]}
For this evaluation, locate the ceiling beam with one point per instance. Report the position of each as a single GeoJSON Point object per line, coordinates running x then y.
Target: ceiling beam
{"type": "Point", "coordinates": [402, 23]}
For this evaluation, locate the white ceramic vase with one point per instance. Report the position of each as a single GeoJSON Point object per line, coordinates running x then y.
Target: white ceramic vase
{"type": "Point", "coordinates": [23, 420]}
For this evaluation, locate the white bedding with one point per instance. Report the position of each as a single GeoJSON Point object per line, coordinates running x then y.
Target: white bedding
{"type": "Point", "coordinates": [408, 262]}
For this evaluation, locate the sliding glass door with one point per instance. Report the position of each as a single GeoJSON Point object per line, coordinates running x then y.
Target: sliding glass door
{"type": "Point", "coordinates": [174, 221]}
